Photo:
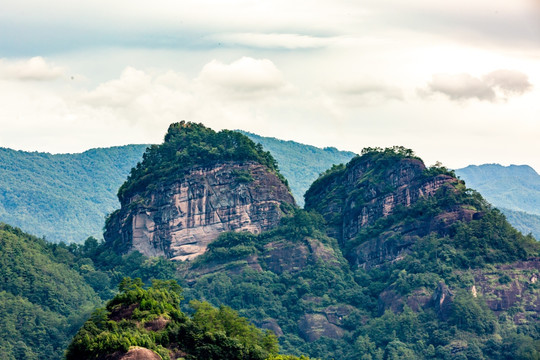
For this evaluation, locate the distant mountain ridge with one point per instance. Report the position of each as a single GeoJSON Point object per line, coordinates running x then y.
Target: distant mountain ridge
{"type": "Point", "coordinates": [514, 189]}
{"type": "Point", "coordinates": [63, 197]}
{"type": "Point", "coordinates": [301, 164]}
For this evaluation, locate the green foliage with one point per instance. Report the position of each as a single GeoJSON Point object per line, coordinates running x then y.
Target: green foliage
{"type": "Point", "coordinates": [189, 145]}
{"type": "Point", "coordinates": [470, 313]}
{"type": "Point", "coordinates": [42, 300]}
{"type": "Point", "coordinates": [209, 334]}
{"type": "Point", "coordinates": [301, 164]}
{"type": "Point", "coordinates": [284, 293]}
{"type": "Point", "coordinates": [63, 197]}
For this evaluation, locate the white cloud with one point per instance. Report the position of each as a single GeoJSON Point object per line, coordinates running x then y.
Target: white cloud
{"type": "Point", "coordinates": [496, 86]}
{"type": "Point", "coordinates": [120, 92]}
{"type": "Point", "coordinates": [34, 69]}
{"type": "Point", "coordinates": [246, 76]}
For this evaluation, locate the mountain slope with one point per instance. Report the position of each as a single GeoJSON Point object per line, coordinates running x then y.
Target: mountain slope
{"type": "Point", "coordinates": [514, 187]}
{"type": "Point", "coordinates": [301, 164]}
{"type": "Point", "coordinates": [63, 197]}
{"type": "Point", "coordinates": [523, 221]}
{"type": "Point", "coordinates": [436, 273]}
{"type": "Point", "coordinates": [42, 300]}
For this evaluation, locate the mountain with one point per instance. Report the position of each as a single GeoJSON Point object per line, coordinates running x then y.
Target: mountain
{"type": "Point", "coordinates": [514, 189]}
{"type": "Point", "coordinates": [524, 222]}
{"type": "Point", "coordinates": [43, 301]}
{"type": "Point", "coordinates": [301, 164]}
{"type": "Point", "coordinates": [420, 267]}
{"type": "Point", "coordinates": [194, 186]}
{"type": "Point", "coordinates": [389, 259]}
{"type": "Point", "coordinates": [66, 197]}
{"type": "Point", "coordinates": [148, 324]}
{"type": "Point", "coordinates": [63, 197]}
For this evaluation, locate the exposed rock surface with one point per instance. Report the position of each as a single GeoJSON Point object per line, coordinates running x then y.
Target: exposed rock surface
{"type": "Point", "coordinates": [366, 191]}
{"type": "Point", "coordinates": [178, 221]}
{"type": "Point", "coordinates": [314, 326]}
{"type": "Point", "coordinates": [511, 286]}
{"type": "Point", "coordinates": [134, 353]}
{"type": "Point", "coordinates": [277, 256]}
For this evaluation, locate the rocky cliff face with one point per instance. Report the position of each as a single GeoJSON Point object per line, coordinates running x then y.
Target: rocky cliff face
{"type": "Point", "coordinates": [180, 219]}
{"type": "Point", "coordinates": [353, 200]}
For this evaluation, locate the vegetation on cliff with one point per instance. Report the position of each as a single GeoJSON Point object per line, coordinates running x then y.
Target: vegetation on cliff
{"type": "Point", "coordinates": [152, 319]}
{"type": "Point", "coordinates": [186, 146]}
{"type": "Point", "coordinates": [446, 277]}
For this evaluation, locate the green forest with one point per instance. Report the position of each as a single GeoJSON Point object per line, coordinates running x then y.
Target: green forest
{"type": "Point", "coordinates": [63, 197]}
{"type": "Point", "coordinates": [461, 282]}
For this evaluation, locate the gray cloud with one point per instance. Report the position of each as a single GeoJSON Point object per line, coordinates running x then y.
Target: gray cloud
{"type": "Point", "coordinates": [365, 93]}
{"type": "Point", "coordinates": [508, 81]}
{"type": "Point", "coordinates": [498, 85]}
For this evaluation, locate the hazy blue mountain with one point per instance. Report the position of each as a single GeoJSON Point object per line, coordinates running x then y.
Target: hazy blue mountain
{"type": "Point", "coordinates": [301, 164]}
{"type": "Point", "coordinates": [514, 189]}
{"type": "Point", "coordinates": [524, 222]}
{"type": "Point", "coordinates": [63, 197]}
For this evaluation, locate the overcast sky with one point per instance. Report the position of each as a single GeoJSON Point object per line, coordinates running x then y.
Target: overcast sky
{"type": "Point", "coordinates": [457, 81]}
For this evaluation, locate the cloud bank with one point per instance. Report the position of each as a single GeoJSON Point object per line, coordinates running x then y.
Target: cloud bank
{"type": "Point", "coordinates": [496, 86]}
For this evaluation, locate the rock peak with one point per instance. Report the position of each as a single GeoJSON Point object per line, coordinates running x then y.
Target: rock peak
{"type": "Point", "coordinates": [369, 190]}
{"type": "Point", "coordinates": [193, 187]}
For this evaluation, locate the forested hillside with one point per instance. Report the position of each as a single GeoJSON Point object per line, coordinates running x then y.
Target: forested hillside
{"type": "Point", "coordinates": [48, 290]}
{"type": "Point", "coordinates": [43, 301]}
{"type": "Point", "coordinates": [301, 164]}
{"type": "Point", "coordinates": [391, 260]}
{"type": "Point", "coordinates": [514, 189]}
{"type": "Point", "coordinates": [63, 197]}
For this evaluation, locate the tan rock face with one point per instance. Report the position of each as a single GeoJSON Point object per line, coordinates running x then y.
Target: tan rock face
{"type": "Point", "coordinates": [178, 221]}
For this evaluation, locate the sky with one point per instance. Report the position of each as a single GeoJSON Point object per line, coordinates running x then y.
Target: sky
{"type": "Point", "coordinates": [456, 81]}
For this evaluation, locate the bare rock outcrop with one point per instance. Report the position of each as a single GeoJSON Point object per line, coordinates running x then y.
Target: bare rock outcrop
{"type": "Point", "coordinates": [511, 286]}
{"type": "Point", "coordinates": [179, 220]}
{"type": "Point", "coordinates": [372, 188]}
